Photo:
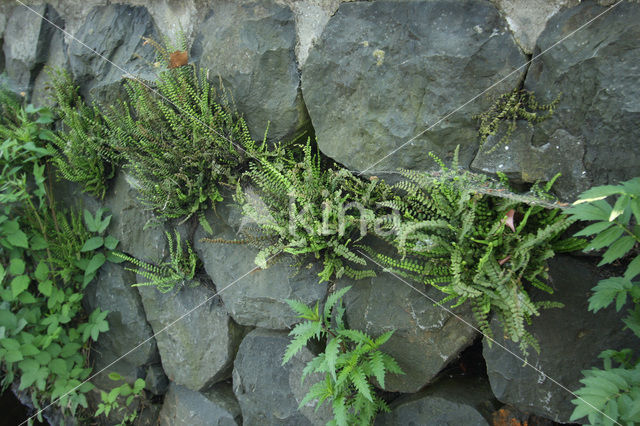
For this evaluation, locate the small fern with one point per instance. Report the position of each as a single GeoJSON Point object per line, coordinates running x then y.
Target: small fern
{"type": "Point", "coordinates": [350, 362]}
{"type": "Point", "coordinates": [179, 270]}
{"type": "Point", "coordinates": [81, 153]}
{"type": "Point", "coordinates": [508, 109]}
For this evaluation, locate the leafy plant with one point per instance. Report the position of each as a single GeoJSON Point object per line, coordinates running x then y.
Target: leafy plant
{"type": "Point", "coordinates": [305, 209]}
{"type": "Point", "coordinates": [80, 151]}
{"type": "Point", "coordinates": [507, 110]}
{"type": "Point", "coordinates": [179, 270]}
{"type": "Point", "coordinates": [180, 142]}
{"type": "Point", "coordinates": [44, 331]}
{"type": "Point", "coordinates": [472, 246]}
{"type": "Point", "coordinates": [612, 394]}
{"type": "Point", "coordinates": [110, 402]}
{"type": "Point", "coordinates": [350, 362]}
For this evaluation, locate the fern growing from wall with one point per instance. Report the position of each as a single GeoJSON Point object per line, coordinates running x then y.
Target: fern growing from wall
{"type": "Point", "coordinates": [307, 209]}
{"type": "Point", "coordinates": [80, 150]}
{"type": "Point", "coordinates": [181, 141]}
{"type": "Point", "coordinates": [488, 250]}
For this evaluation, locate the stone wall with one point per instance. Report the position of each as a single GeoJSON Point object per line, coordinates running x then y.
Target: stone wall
{"type": "Point", "coordinates": [366, 78]}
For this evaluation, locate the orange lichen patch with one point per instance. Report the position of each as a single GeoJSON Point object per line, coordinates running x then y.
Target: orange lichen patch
{"type": "Point", "coordinates": [504, 417]}
{"type": "Point", "coordinates": [178, 58]}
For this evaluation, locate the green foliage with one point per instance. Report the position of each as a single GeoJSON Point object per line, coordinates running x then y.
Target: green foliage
{"type": "Point", "coordinates": [473, 246]}
{"type": "Point", "coordinates": [180, 269]}
{"type": "Point", "coordinates": [304, 208]}
{"type": "Point", "coordinates": [613, 391]}
{"type": "Point", "coordinates": [351, 361]}
{"type": "Point", "coordinates": [80, 151]}
{"type": "Point", "coordinates": [110, 401]}
{"type": "Point", "coordinates": [507, 110]}
{"type": "Point", "coordinates": [46, 260]}
{"type": "Point", "coordinates": [180, 142]}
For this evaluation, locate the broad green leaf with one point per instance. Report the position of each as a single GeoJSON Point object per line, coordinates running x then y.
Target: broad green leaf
{"type": "Point", "coordinates": [18, 239]}
{"type": "Point", "coordinates": [333, 299]}
{"type": "Point", "coordinates": [110, 242]}
{"type": "Point", "coordinates": [606, 291]}
{"type": "Point", "coordinates": [19, 284]}
{"type": "Point", "coordinates": [92, 244]}
{"type": "Point", "coordinates": [88, 220]}
{"type": "Point", "coordinates": [42, 271]}
{"type": "Point", "coordinates": [114, 376]}
{"type": "Point", "coordinates": [59, 366]}
{"type": "Point", "coordinates": [599, 193]}
{"type": "Point", "coordinates": [361, 383]}
{"type": "Point", "coordinates": [13, 356]}
{"type": "Point", "coordinates": [10, 344]}
{"type": "Point", "coordinates": [619, 207]}
{"type": "Point", "coordinates": [29, 350]}
{"type": "Point", "coordinates": [331, 355]}
{"type": "Point", "coordinates": [138, 385]}
{"type": "Point", "coordinates": [594, 229]}
{"type": "Point", "coordinates": [606, 238]}
{"type": "Point", "coordinates": [618, 249]}
{"type": "Point", "coordinates": [69, 349]}
{"type": "Point", "coordinates": [377, 367]}
{"type": "Point", "coordinates": [598, 210]}
{"type": "Point", "coordinates": [95, 263]}
{"type": "Point", "coordinates": [633, 269]}
{"type": "Point", "coordinates": [303, 310]}
{"type": "Point", "coordinates": [45, 287]}
{"type": "Point", "coordinates": [16, 266]}
{"type": "Point", "coordinates": [38, 243]}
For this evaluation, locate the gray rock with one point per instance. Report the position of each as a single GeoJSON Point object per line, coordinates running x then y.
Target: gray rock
{"type": "Point", "coordinates": [115, 32]}
{"type": "Point", "coordinates": [570, 338]}
{"type": "Point", "coordinates": [262, 384]}
{"type": "Point", "coordinates": [383, 72]}
{"type": "Point", "coordinates": [128, 328]}
{"type": "Point", "coordinates": [527, 18]}
{"type": "Point", "coordinates": [42, 92]}
{"type": "Point", "coordinates": [254, 298]}
{"type": "Point", "coordinates": [217, 407]}
{"type": "Point", "coordinates": [426, 337]}
{"type": "Point", "coordinates": [197, 344]}
{"type": "Point", "coordinates": [596, 70]}
{"type": "Point", "coordinates": [457, 402]}
{"type": "Point", "coordinates": [26, 44]}
{"type": "Point", "coordinates": [251, 46]}
{"type": "Point", "coordinates": [155, 380]}
{"type": "Point", "coordinates": [136, 226]}
{"type": "Point", "coordinates": [522, 161]}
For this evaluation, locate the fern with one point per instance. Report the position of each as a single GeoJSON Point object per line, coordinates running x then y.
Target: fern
{"type": "Point", "coordinates": [179, 270]}
{"type": "Point", "coordinates": [474, 247]}
{"type": "Point", "coordinates": [80, 151]}
{"type": "Point", "coordinates": [350, 361]}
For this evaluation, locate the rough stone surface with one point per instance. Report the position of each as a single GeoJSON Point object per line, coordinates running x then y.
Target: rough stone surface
{"type": "Point", "coordinates": [251, 46]}
{"type": "Point", "coordinates": [570, 339]}
{"type": "Point", "coordinates": [255, 298]}
{"type": "Point", "coordinates": [460, 401]}
{"type": "Point", "coordinates": [128, 327]}
{"type": "Point", "coordinates": [523, 161]}
{"type": "Point", "coordinates": [115, 32]}
{"type": "Point", "coordinates": [262, 384]}
{"type": "Point", "coordinates": [216, 407]}
{"type": "Point", "coordinates": [383, 72]}
{"type": "Point", "coordinates": [197, 350]}
{"type": "Point", "coordinates": [527, 18]}
{"type": "Point", "coordinates": [26, 44]}
{"type": "Point", "coordinates": [596, 70]}
{"type": "Point", "coordinates": [42, 94]}
{"type": "Point", "coordinates": [426, 337]}
{"type": "Point", "coordinates": [130, 221]}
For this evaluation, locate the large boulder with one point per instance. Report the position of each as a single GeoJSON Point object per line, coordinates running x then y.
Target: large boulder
{"type": "Point", "coordinates": [128, 327]}
{"type": "Point", "coordinates": [196, 338]}
{"type": "Point", "coordinates": [596, 72]}
{"type": "Point", "coordinates": [460, 401]}
{"type": "Point", "coordinates": [251, 46]}
{"type": "Point", "coordinates": [253, 297]}
{"type": "Point", "coordinates": [263, 385]}
{"type": "Point", "coordinates": [383, 73]}
{"type": "Point", "coordinates": [115, 32]}
{"type": "Point", "coordinates": [426, 336]}
{"type": "Point", "coordinates": [26, 44]}
{"type": "Point", "coordinates": [570, 339]}
{"type": "Point", "coordinates": [216, 406]}
{"type": "Point", "coordinates": [136, 227]}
